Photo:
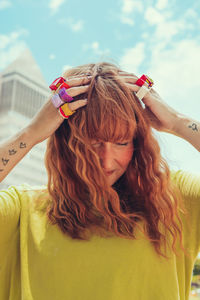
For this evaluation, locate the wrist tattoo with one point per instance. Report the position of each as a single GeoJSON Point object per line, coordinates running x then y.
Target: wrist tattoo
{"type": "Point", "coordinates": [22, 145]}
{"type": "Point", "coordinates": [193, 127]}
{"type": "Point", "coordinates": [12, 152]}
{"type": "Point", "coordinates": [5, 161]}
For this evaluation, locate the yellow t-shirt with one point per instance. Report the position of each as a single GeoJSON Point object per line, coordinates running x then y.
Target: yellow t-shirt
{"type": "Point", "coordinates": [39, 262]}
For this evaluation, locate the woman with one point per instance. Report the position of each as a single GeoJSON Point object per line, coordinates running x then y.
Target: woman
{"type": "Point", "coordinates": [114, 222]}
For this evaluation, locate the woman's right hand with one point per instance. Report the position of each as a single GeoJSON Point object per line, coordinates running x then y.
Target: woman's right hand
{"type": "Point", "coordinates": [48, 119]}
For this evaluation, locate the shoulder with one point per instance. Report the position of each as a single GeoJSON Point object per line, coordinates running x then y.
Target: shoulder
{"type": "Point", "coordinates": [187, 182]}
{"type": "Point", "coordinates": [21, 195]}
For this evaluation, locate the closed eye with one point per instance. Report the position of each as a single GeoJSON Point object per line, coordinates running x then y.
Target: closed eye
{"type": "Point", "coordinates": [122, 144]}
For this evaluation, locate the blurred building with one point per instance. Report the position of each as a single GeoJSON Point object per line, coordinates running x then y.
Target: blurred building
{"type": "Point", "coordinates": [23, 91]}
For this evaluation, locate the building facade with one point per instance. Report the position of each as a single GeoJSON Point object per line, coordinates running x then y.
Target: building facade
{"type": "Point", "coordinates": [23, 91]}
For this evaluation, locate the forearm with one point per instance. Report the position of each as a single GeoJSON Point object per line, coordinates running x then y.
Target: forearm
{"type": "Point", "coordinates": [13, 150]}
{"type": "Point", "coordinates": [188, 129]}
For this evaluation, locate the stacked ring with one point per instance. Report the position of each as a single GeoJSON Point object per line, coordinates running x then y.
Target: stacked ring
{"type": "Point", "coordinates": [65, 111]}
{"type": "Point", "coordinates": [56, 83]}
{"type": "Point", "coordinates": [59, 100]}
{"type": "Point", "coordinates": [64, 95]}
{"type": "Point", "coordinates": [145, 84]}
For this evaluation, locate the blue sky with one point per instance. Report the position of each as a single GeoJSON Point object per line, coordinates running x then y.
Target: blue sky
{"type": "Point", "coordinates": [156, 37]}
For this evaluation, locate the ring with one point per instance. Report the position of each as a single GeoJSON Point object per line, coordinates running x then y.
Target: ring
{"type": "Point", "coordinates": [142, 92]}
{"type": "Point", "coordinates": [57, 101]}
{"type": "Point", "coordinates": [145, 84]}
{"type": "Point", "coordinates": [65, 111]}
{"type": "Point", "coordinates": [56, 83]}
{"type": "Point", "coordinates": [64, 95]}
{"type": "Point", "coordinates": [144, 79]}
{"type": "Point", "coordinates": [65, 85]}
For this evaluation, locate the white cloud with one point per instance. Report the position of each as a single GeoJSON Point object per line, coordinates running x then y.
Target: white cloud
{"type": "Point", "coordinates": [176, 75]}
{"type": "Point", "coordinates": [168, 53]}
{"type": "Point", "coordinates": [128, 8]}
{"type": "Point", "coordinates": [164, 27]}
{"type": "Point", "coordinates": [178, 69]}
{"type": "Point", "coordinates": [65, 68]}
{"type": "Point", "coordinates": [167, 30]}
{"type": "Point", "coordinates": [191, 13]}
{"type": "Point", "coordinates": [161, 4]}
{"type": "Point", "coordinates": [127, 20]}
{"type": "Point", "coordinates": [133, 57]}
{"type": "Point", "coordinates": [11, 53]}
{"type": "Point", "coordinates": [96, 49]}
{"type": "Point", "coordinates": [52, 56]}
{"type": "Point", "coordinates": [11, 45]}
{"type": "Point", "coordinates": [5, 4]}
{"type": "Point", "coordinates": [74, 25]}
{"type": "Point", "coordinates": [54, 5]}
{"type": "Point", "coordinates": [95, 46]}
{"type": "Point", "coordinates": [153, 16]}
{"type": "Point", "coordinates": [6, 40]}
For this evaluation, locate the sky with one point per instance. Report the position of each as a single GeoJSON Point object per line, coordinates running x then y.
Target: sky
{"type": "Point", "coordinates": [160, 38]}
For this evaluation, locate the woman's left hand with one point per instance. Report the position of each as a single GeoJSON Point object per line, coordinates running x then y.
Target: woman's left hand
{"type": "Point", "coordinates": [161, 115]}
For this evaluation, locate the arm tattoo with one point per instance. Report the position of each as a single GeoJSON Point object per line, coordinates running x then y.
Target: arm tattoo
{"type": "Point", "coordinates": [5, 161]}
{"type": "Point", "coordinates": [12, 152]}
{"type": "Point", "coordinates": [193, 127]}
{"type": "Point", "coordinates": [22, 145]}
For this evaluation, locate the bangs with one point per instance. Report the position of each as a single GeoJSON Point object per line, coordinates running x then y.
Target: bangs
{"type": "Point", "coordinates": [112, 130]}
{"type": "Point", "coordinates": [108, 124]}
{"type": "Point", "coordinates": [111, 111]}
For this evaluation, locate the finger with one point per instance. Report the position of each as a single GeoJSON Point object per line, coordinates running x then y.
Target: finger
{"type": "Point", "coordinates": [123, 73]}
{"type": "Point", "coordinates": [76, 81]}
{"type": "Point", "coordinates": [77, 104]}
{"type": "Point", "coordinates": [133, 87]}
{"type": "Point", "coordinates": [130, 79]}
{"type": "Point", "coordinates": [75, 91]}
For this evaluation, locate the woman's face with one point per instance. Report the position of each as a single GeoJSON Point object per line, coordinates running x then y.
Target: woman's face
{"type": "Point", "coordinates": [114, 157]}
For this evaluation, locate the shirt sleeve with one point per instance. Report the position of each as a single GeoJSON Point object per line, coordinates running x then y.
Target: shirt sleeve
{"type": "Point", "coordinates": [9, 214]}
{"type": "Point", "coordinates": [189, 186]}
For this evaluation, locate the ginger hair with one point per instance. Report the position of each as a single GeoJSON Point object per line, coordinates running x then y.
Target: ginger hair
{"type": "Point", "coordinates": [82, 202]}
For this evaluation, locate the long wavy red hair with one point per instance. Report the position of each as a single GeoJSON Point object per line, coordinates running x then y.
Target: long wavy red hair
{"type": "Point", "coordinates": [82, 202]}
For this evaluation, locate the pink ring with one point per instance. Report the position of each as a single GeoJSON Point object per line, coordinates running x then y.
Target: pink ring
{"type": "Point", "coordinates": [65, 96]}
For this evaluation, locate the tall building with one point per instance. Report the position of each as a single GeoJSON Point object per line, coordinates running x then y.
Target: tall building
{"type": "Point", "coordinates": [23, 90]}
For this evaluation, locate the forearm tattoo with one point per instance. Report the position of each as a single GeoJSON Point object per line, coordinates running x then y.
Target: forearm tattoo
{"type": "Point", "coordinates": [5, 161]}
{"type": "Point", "coordinates": [12, 152]}
{"type": "Point", "coordinates": [193, 127]}
{"type": "Point", "coordinates": [22, 145]}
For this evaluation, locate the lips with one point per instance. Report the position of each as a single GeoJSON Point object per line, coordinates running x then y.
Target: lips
{"type": "Point", "coordinates": [108, 173]}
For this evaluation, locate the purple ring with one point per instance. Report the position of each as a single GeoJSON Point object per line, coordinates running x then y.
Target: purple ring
{"type": "Point", "coordinates": [57, 101]}
{"type": "Point", "coordinates": [64, 96]}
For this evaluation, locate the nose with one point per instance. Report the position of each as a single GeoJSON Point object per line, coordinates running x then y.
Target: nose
{"type": "Point", "coordinates": [106, 156]}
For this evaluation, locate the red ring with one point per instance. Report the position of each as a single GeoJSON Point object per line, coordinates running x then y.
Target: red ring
{"type": "Point", "coordinates": [143, 79]}
{"type": "Point", "coordinates": [65, 85]}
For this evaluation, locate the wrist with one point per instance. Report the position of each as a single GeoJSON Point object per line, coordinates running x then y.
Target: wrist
{"type": "Point", "coordinates": [181, 124]}
{"type": "Point", "coordinates": [28, 135]}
